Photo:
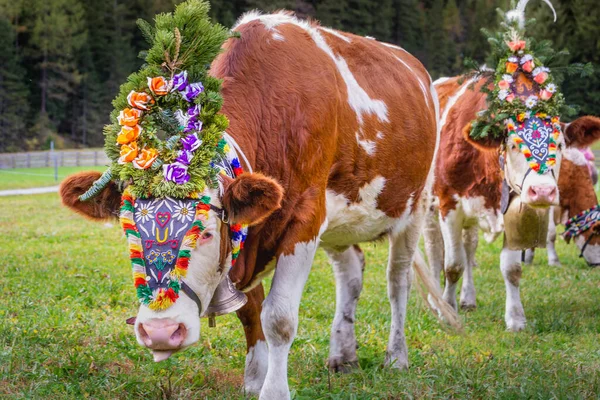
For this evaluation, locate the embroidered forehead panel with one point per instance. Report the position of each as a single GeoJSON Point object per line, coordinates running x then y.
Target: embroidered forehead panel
{"type": "Point", "coordinates": [536, 137]}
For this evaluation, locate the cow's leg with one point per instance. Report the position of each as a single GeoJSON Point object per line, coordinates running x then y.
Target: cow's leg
{"type": "Point", "coordinates": [348, 267]}
{"type": "Point", "coordinates": [467, 293]}
{"type": "Point", "coordinates": [434, 245]}
{"type": "Point", "coordinates": [553, 260]}
{"type": "Point", "coordinates": [256, 346]}
{"type": "Point", "coordinates": [399, 276]}
{"type": "Point", "coordinates": [529, 256]}
{"type": "Point", "coordinates": [455, 257]}
{"type": "Point", "coordinates": [510, 264]}
{"type": "Point", "coordinates": [279, 315]}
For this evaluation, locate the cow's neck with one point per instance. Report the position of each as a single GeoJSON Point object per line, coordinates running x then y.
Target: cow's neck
{"type": "Point", "coordinates": [576, 188]}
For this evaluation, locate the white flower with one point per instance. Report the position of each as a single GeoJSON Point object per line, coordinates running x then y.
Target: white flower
{"type": "Point", "coordinates": [502, 94]}
{"type": "Point", "coordinates": [551, 87]}
{"type": "Point", "coordinates": [182, 117]}
{"type": "Point", "coordinates": [528, 114]}
{"type": "Point", "coordinates": [525, 58]}
{"type": "Point", "coordinates": [513, 59]}
{"type": "Point", "coordinates": [183, 211]}
{"type": "Point", "coordinates": [508, 78]}
{"type": "Point", "coordinates": [144, 212]}
{"type": "Point", "coordinates": [537, 71]}
{"type": "Point", "coordinates": [531, 101]}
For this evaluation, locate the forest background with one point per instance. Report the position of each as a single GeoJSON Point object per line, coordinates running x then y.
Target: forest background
{"type": "Point", "coordinates": [62, 61]}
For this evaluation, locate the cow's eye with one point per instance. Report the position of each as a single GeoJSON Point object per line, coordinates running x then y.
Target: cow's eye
{"type": "Point", "coordinates": [513, 147]}
{"type": "Point", "coordinates": [206, 235]}
{"type": "Point", "coordinates": [560, 146]}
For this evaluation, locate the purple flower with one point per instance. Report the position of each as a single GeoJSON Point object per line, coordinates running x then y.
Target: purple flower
{"type": "Point", "coordinates": [194, 111]}
{"type": "Point", "coordinates": [193, 125]}
{"type": "Point", "coordinates": [184, 157]}
{"type": "Point", "coordinates": [192, 91]}
{"type": "Point", "coordinates": [176, 172]}
{"type": "Point", "coordinates": [180, 81]}
{"type": "Point", "coordinates": [191, 142]}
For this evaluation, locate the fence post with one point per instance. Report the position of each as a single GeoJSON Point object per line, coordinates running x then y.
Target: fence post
{"type": "Point", "coordinates": [62, 158]}
{"type": "Point", "coordinates": [95, 158]}
{"type": "Point", "coordinates": [48, 154]}
{"type": "Point", "coordinates": [28, 160]}
{"type": "Point", "coordinates": [77, 158]}
{"type": "Point", "coordinates": [14, 161]}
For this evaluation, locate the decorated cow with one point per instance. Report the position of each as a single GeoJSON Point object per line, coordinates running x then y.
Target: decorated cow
{"type": "Point", "coordinates": [304, 151]}
{"type": "Point", "coordinates": [500, 155]}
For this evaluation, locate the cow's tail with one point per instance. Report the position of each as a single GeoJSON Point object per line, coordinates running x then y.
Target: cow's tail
{"type": "Point", "coordinates": [432, 295]}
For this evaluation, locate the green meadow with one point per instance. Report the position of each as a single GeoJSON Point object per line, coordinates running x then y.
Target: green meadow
{"type": "Point", "coordinates": [65, 292]}
{"type": "Point", "coordinates": [21, 178]}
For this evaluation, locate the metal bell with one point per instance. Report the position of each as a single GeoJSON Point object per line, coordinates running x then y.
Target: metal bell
{"type": "Point", "coordinates": [225, 300]}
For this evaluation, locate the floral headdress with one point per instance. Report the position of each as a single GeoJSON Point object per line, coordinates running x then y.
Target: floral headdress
{"type": "Point", "coordinates": [522, 85]}
{"type": "Point", "coordinates": [166, 125]}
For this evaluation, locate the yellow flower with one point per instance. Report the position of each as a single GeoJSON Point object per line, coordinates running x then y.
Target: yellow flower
{"type": "Point", "coordinates": [129, 134]}
{"type": "Point", "coordinates": [128, 152]}
{"type": "Point", "coordinates": [145, 159]}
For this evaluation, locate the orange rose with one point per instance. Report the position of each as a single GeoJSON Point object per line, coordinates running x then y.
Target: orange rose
{"type": "Point", "coordinates": [516, 45]}
{"type": "Point", "coordinates": [139, 100]}
{"type": "Point", "coordinates": [158, 85]}
{"type": "Point", "coordinates": [528, 66]}
{"type": "Point", "coordinates": [129, 117]}
{"type": "Point", "coordinates": [545, 94]}
{"type": "Point", "coordinates": [128, 153]}
{"type": "Point", "coordinates": [129, 134]}
{"type": "Point", "coordinates": [145, 159]}
{"type": "Point", "coordinates": [511, 67]}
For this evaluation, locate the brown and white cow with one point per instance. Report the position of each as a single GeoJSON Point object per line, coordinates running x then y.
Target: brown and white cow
{"type": "Point", "coordinates": [342, 132]}
{"type": "Point", "coordinates": [467, 192]}
{"type": "Point", "coordinates": [577, 194]}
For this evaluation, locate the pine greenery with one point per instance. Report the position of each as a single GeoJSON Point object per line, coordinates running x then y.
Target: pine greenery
{"type": "Point", "coordinates": [185, 40]}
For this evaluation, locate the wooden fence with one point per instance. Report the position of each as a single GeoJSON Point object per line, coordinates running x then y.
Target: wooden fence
{"type": "Point", "coordinates": [67, 158]}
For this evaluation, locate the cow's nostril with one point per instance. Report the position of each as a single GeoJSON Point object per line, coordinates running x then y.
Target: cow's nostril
{"type": "Point", "coordinates": [179, 334]}
{"type": "Point", "coordinates": [144, 335]}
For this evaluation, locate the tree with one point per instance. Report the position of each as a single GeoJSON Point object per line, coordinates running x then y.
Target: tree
{"type": "Point", "coordinates": [13, 92]}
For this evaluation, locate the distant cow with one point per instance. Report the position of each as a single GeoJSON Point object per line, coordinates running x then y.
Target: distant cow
{"type": "Point", "coordinates": [577, 194]}
{"type": "Point", "coordinates": [467, 191]}
{"type": "Point", "coordinates": [341, 131]}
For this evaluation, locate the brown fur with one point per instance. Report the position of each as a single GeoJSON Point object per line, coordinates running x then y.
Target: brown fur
{"type": "Point", "coordinates": [249, 316]}
{"type": "Point", "coordinates": [583, 131]}
{"type": "Point", "coordinates": [104, 206]}
{"type": "Point", "coordinates": [576, 192]}
{"type": "Point", "coordinates": [465, 168]}
{"type": "Point", "coordinates": [251, 198]}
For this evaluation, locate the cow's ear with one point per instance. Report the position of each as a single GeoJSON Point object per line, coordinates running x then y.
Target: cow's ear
{"type": "Point", "coordinates": [486, 143]}
{"type": "Point", "coordinates": [582, 132]}
{"type": "Point", "coordinates": [104, 205]}
{"type": "Point", "coordinates": [250, 198]}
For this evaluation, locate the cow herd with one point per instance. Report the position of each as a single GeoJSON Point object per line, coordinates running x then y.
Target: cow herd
{"type": "Point", "coordinates": [350, 140]}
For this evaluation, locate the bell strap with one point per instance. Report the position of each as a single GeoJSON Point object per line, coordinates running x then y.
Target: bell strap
{"type": "Point", "coordinates": [192, 295]}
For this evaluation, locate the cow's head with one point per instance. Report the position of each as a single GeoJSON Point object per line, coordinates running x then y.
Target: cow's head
{"type": "Point", "coordinates": [247, 200]}
{"type": "Point", "coordinates": [538, 189]}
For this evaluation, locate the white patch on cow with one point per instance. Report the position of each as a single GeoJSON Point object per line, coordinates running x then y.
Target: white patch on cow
{"type": "Point", "coordinates": [439, 81]}
{"type": "Point", "coordinates": [280, 310]}
{"type": "Point", "coordinates": [421, 84]}
{"type": "Point", "coordinates": [393, 46]}
{"type": "Point", "coordinates": [369, 37]}
{"type": "Point", "coordinates": [379, 135]}
{"type": "Point", "coordinates": [510, 265]}
{"type": "Point", "coordinates": [257, 362]}
{"type": "Point", "coordinates": [358, 99]}
{"type": "Point", "coordinates": [278, 36]}
{"type": "Point", "coordinates": [592, 251]}
{"type": "Point", "coordinates": [436, 105]}
{"type": "Point", "coordinates": [452, 101]}
{"type": "Point", "coordinates": [575, 156]}
{"type": "Point", "coordinates": [336, 34]}
{"type": "Point", "coordinates": [203, 277]}
{"type": "Point", "coordinates": [351, 223]}
{"type": "Point", "coordinates": [368, 146]}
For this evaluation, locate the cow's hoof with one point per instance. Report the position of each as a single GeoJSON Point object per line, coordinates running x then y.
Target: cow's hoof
{"type": "Point", "coordinates": [337, 365]}
{"type": "Point", "coordinates": [515, 325]}
{"type": "Point", "coordinates": [399, 363]}
{"type": "Point", "coordinates": [554, 263]}
{"type": "Point", "coordinates": [467, 306]}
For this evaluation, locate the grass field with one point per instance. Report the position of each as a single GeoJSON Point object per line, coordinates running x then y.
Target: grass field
{"type": "Point", "coordinates": [65, 292]}
{"type": "Point", "coordinates": [20, 178]}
